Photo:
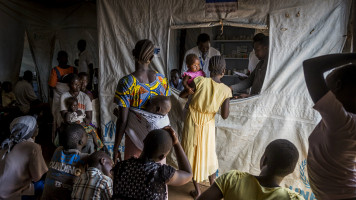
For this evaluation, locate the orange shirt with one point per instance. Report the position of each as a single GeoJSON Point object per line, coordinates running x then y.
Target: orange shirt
{"type": "Point", "coordinates": [54, 76]}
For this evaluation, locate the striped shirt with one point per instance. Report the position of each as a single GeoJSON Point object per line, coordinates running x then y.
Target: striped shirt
{"type": "Point", "coordinates": [92, 184]}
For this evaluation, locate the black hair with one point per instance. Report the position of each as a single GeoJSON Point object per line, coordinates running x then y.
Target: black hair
{"type": "Point", "coordinates": [217, 65]}
{"type": "Point", "coordinates": [261, 39]}
{"type": "Point", "coordinates": [175, 71]}
{"type": "Point", "coordinates": [27, 75]}
{"type": "Point", "coordinates": [94, 158]}
{"type": "Point", "coordinates": [203, 37]}
{"type": "Point", "coordinates": [282, 157]}
{"type": "Point", "coordinates": [62, 54]}
{"type": "Point", "coordinates": [72, 134]}
{"type": "Point", "coordinates": [191, 58]}
{"type": "Point", "coordinates": [82, 74]}
{"type": "Point", "coordinates": [6, 86]}
{"type": "Point", "coordinates": [143, 51]}
{"type": "Point", "coordinates": [69, 102]}
{"type": "Point", "coordinates": [82, 43]}
{"type": "Point", "coordinates": [345, 74]}
{"type": "Point", "coordinates": [70, 78]}
{"type": "Point", "coordinates": [156, 143]}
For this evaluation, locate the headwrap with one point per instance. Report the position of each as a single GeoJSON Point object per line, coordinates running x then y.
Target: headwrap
{"type": "Point", "coordinates": [21, 129]}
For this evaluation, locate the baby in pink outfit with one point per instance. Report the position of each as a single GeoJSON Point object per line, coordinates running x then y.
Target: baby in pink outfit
{"type": "Point", "coordinates": [194, 71]}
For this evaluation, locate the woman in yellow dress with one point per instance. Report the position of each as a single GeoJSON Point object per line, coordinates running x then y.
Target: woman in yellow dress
{"type": "Point", "coordinates": [199, 127]}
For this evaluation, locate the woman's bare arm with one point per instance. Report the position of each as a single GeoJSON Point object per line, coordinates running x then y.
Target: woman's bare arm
{"type": "Point", "coordinates": [314, 69]}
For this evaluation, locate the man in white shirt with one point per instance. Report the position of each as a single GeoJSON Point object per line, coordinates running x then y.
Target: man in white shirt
{"type": "Point", "coordinates": [203, 51]}
{"type": "Point", "coordinates": [25, 95]}
{"type": "Point", "coordinates": [85, 61]}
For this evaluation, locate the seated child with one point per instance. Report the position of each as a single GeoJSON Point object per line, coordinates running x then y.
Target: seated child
{"type": "Point", "coordinates": [278, 160]}
{"type": "Point", "coordinates": [77, 116]}
{"type": "Point", "coordinates": [67, 163]}
{"type": "Point", "coordinates": [141, 122]}
{"type": "Point", "coordinates": [143, 177]}
{"type": "Point", "coordinates": [176, 81]}
{"type": "Point", "coordinates": [332, 144]}
{"type": "Point", "coordinates": [8, 97]}
{"type": "Point", "coordinates": [193, 64]}
{"type": "Point", "coordinates": [96, 182]}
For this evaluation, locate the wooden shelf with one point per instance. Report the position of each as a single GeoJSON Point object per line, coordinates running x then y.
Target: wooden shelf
{"type": "Point", "coordinates": [236, 58]}
{"type": "Point", "coordinates": [232, 40]}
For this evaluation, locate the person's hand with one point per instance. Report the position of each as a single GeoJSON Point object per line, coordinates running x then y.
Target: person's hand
{"type": "Point", "coordinates": [173, 134]}
{"type": "Point", "coordinates": [79, 112]}
{"type": "Point", "coordinates": [116, 112]}
{"type": "Point", "coordinates": [190, 90]}
{"type": "Point", "coordinates": [86, 121]}
{"type": "Point", "coordinates": [117, 155]}
{"type": "Point", "coordinates": [244, 95]}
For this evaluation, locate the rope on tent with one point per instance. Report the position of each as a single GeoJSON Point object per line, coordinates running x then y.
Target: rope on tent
{"type": "Point", "coordinates": [222, 27]}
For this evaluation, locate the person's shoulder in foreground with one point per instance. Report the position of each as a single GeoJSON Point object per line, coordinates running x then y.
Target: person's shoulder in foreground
{"type": "Point", "coordinates": [278, 160]}
{"type": "Point", "coordinates": [96, 182]}
{"type": "Point", "coordinates": [331, 165]}
{"type": "Point", "coordinates": [143, 177]}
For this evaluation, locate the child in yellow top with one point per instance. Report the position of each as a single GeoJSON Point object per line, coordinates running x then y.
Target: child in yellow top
{"type": "Point", "coordinates": [279, 160]}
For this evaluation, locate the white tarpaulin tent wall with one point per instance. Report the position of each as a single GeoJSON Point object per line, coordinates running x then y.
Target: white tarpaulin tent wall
{"type": "Point", "coordinates": [46, 23]}
{"type": "Point", "coordinates": [298, 30]}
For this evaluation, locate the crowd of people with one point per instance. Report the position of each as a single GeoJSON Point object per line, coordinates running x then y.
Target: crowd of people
{"type": "Point", "coordinates": [82, 168]}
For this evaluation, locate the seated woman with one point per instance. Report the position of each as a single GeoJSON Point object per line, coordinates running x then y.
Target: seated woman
{"type": "Point", "coordinates": [21, 160]}
{"type": "Point", "coordinates": [84, 105]}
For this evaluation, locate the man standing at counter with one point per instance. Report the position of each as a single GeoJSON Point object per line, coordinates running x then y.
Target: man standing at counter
{"type": "Point", "coordinates": [257, 77]}
{"type": "Point", "coordinates": [203, 51]}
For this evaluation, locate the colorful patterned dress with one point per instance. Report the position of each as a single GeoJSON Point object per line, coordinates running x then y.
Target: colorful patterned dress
{"type": "Point", "coordinates": [131, 93]}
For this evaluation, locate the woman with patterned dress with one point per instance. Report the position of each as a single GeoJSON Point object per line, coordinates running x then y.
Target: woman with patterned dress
{"type": "Point", "coordinates": [135, 90]}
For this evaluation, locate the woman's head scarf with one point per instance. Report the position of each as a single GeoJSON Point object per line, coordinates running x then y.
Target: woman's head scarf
{"type": "Point", "coordinates": [21, 129]}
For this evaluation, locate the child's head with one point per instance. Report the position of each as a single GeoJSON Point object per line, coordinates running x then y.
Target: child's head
{"type": "Point", "coordinates": [159, 105]}
{"type": "Point", "coordinates": [83, 78]}
{"type": "Point", "coordinates": [260, 45]}
{"type": "Point", "coordinates": [102, 161]}
{"type": "Point", "coordinates": [342, 83]}
{"type": "Point", "coordinates": [192, 62]}
{"type": "Point", "coordinates": [175, 76]}
{"type": "Point", "coordinates": [7, 86]}
{"type": "Point", "coordinates": [72, 104]}
{"type": "Point", "coordinates": [217, 66]}
{"type": "Point", "coordinates": [82, 44]}
{"type": "Point", "coordinates": [75, 137]}
{"type": "Point", "coordinates": [157, 144]}
{"type": "Point", "coordinates": [279, 158]}
{"type": "Point", "coordinates": [62, 58]}
{"type": "Point", "coordinates": [143, 52]}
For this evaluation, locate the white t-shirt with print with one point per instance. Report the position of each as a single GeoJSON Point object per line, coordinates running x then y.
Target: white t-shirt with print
{"type": "Point", "coordinates": [84, 103]}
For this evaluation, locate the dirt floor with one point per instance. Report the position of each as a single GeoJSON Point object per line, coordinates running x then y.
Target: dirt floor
{"type": "Point", "coordinates": [182, 192]}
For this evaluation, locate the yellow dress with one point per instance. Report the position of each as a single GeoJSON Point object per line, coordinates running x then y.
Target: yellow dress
{"type": "Point", "coordinates": [198, 138]}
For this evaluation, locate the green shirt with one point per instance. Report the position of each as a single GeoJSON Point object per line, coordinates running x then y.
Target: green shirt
{"type": "Point", "coordinates": [241, 185]}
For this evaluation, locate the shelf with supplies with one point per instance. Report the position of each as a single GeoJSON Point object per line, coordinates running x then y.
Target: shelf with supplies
{"type": "Point", "coordinates": [230, 41]}
{"type": "Point", "coordinates": [229, 58]}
